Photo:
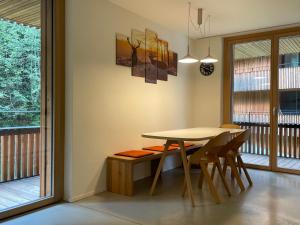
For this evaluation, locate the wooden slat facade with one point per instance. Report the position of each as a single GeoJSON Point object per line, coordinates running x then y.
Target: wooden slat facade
{"type": "Point", "coordinates": [251, 91]}
{"type": "Point", "coordinates": [262, 48]}
{"type": "Point", "coordinates": [27, 12]}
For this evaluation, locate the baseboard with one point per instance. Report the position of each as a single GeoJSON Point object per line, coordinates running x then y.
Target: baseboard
{"type": "Point", "coordinates": [82, 196]}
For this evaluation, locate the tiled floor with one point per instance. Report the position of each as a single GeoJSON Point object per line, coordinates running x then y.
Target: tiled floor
{"type": "Point", "coordinates": [273, 200]}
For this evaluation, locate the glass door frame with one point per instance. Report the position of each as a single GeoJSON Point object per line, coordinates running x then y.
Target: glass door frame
{"type": "Point", "coordinates": [228, 45]}
{"type": "Point", "coordinates": [228, 69]}
{"type": "Point", "coordinates": [275, 95]}
{"type": "Point", "coordinates": [53, 89]}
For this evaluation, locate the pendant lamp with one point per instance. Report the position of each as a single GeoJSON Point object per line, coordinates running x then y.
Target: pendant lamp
{"type": "Point", "coordinates": [188, 58]}
{"type": "Point", "coordinates": [209, 58]}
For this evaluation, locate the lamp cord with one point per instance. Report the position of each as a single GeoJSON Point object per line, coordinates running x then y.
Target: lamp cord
{"type": "Point", "coordinates": [208, 34]}
{"type": "Point", "coordinates": [189, 12]}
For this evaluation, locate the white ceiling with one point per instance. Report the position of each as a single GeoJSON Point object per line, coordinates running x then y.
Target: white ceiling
{"type": "Point", "coordinates": [288, 45]}
{"type": "Point", "coordinates": [228, 16]}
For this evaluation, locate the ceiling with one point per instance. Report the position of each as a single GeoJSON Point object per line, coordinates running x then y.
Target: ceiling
{"type": "Point", "coordinates": [227, 16]}
{"type": "Point", "coordinates": [289, 45]}
{"type": "Point", "coordinates": [27, 12]}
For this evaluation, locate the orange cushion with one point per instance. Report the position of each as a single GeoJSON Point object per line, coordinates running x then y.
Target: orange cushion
{"type": "Point", "coordinates": [160, 148]}
{"type": "Point", "coordinates": [185, 145]}
{"type": "Point", "coordinates": [135, 153]}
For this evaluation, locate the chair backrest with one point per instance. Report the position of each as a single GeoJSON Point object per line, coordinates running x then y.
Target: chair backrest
{"type": "Point", "coordinates": [230, 125]}
{"type": "Point", "coordinates": [212, 147]}
{"type": "Point", "coordinates": [237, 142]}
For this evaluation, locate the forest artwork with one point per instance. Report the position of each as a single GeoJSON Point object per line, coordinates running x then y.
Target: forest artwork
{"type": "Point", "coordinates": [138, 53]}
{"type": "Point", "coordinates": [172, 69]}
{"type": "Point", "coordinates": [123, 50]}
{"type": "Point", "coordinates": [151, 57]}
{"type": "Point", "coordinates": [162, 60]}
{"type": "Point", "coordinates": [147, 55]}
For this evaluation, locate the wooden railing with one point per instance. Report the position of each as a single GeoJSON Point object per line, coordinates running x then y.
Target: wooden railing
{"type": "Point", "coordinates": [259, 141]}
{"type": "Point", "coordinates": [19, 149]}
{"type": "Point", "coordinates": [288, 139]}
{"type": "Point", "coordinates": [264, 117]}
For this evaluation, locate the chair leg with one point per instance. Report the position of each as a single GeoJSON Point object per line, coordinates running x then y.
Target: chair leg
{"type": "Point", "coordinates": [213, 171]}
{"type": "Point", "coordinates": [239, 166]}
{"type": "Point", "coordinates": [201, 177]}
{"type": "Point", "coordinates": [240, 160]}
{"type": "Point", "coordinates": [235, 172]}
{"type": "Point", "coordinates": [210, 183]}
{"type": "Point", "coordinates": [232, 175]}
{"type": "Point", "coordinates": [218, 165]}
{"type": "Point", "coordinates": [235, 163]}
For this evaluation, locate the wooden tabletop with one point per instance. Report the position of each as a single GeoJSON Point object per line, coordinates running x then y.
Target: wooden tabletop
{"type": "Point", "coordinates": [191, 134]}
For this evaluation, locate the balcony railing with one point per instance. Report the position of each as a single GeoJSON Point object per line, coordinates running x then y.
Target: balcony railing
{"type": "Point", "coordinates": [20, 153]}
{"type": "Point", "coordinates": [264, 117]}
{"type": "Point", "coordinates": [288, 139]}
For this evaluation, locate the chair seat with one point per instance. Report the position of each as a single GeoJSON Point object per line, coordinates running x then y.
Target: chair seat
{"type": "Point", "coordinates": [233, 153]}
{"type": "Point", "coordinates": [205, 159]}
{"type": "Point", "coordinates": [186, 145]}
{"type": "Point", "coordinates": [224, 154]}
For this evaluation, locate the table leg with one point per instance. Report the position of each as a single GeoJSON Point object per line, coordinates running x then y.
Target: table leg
{"type": "Point", "coordinates": [160, 165]}
{"type": "Point", "coordinates": [186, 172]}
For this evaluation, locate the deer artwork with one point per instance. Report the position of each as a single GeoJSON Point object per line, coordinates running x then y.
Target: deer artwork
{"type": "Point", "coordinates": [134, 51]}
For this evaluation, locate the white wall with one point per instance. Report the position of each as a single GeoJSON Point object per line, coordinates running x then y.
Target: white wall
{"type": "Point", "coordinates": [207, 91]}
{"type": "Point", "coordinates": [107, 109]}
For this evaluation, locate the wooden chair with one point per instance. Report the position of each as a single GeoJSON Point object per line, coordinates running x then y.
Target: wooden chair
{"type": "Point", "coordinates": [232, 158]}
{"type": "Point", "coordinates": [209, 154]}
{"type": "Point", "coordinates": [230, 126]}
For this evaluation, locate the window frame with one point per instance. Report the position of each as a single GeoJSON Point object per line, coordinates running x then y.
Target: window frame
{"type": "Point", "coordinates": [228, 43]}
{"type": "Point", "coordinates": [53, 70]}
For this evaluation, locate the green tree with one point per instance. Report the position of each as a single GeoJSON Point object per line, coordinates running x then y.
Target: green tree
{"type": "Point", "coordinates": [20, 49]}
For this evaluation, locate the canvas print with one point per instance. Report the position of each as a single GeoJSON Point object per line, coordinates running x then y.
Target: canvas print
{"type": "Point", "coordinates": [162, 60]}
{"type": "Point", "coordinates": [151, 57]}
{"type": "Point", "coordinates": [147, 55]}
{"type": "Point", "coordinates": [123, 50]}
{"type": "Point", "coordinates": [138, 53]}
{"type": "Point", "coordinates": [172, 70]}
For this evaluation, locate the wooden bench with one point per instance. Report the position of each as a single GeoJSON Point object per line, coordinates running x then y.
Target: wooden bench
{"type": "Point", "coordinates": [120, 170]}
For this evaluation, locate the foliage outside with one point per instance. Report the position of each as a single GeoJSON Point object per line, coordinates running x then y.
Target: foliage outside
{"type": "Point", "coordinates": [20, 49]}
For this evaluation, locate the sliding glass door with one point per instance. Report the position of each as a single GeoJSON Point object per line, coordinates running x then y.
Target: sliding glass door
{"type": "Point", "coordinates": [262, 93]}
{"type": "Point", "coordinates": [251, 97]}
{"type": "Point", "coordinates": [25, 152]}
{"type": "Point", "coordinates": [288, 103]}
{"type": "Point", "coordinates": [30, 130]}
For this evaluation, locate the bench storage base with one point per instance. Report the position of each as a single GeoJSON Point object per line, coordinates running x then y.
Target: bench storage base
{"type": "Point", "coordinates": [120, 177]}
{"type": "Point", "coordinates": [120, 173]}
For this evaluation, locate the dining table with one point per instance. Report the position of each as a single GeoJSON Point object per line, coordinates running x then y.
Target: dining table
{"type": "Point", "coordinates": [179, 136]}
